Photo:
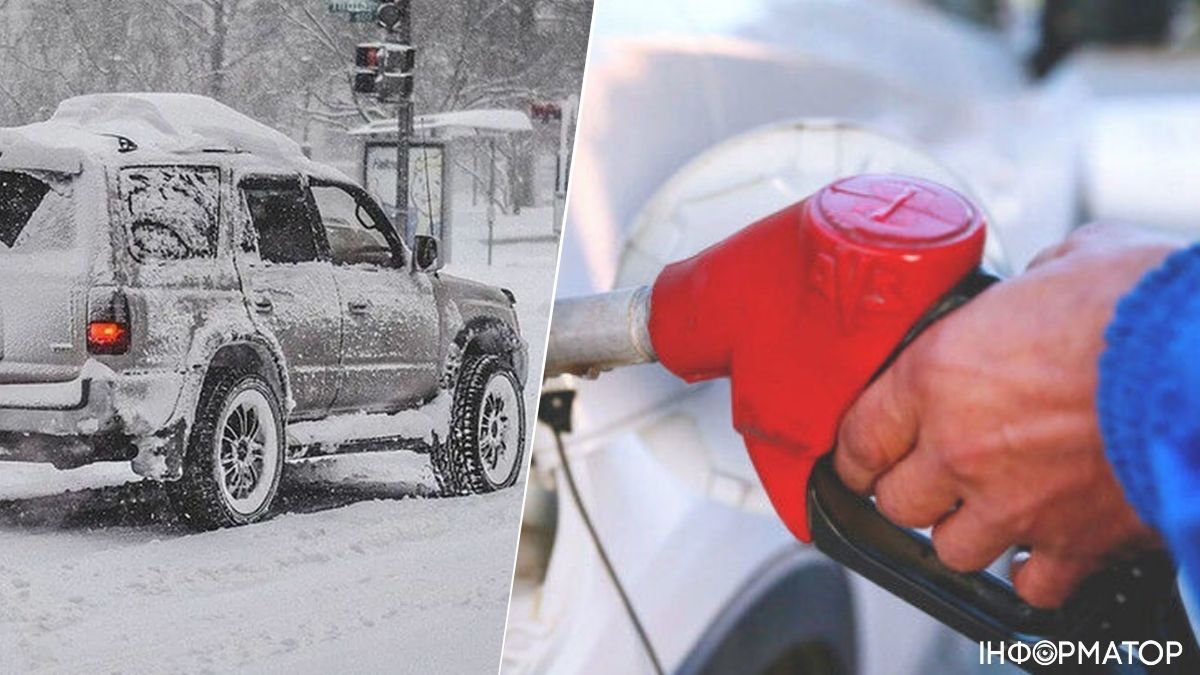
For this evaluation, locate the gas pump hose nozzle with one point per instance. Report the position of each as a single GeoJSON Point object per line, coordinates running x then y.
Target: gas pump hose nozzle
{"type": "Point", "coordinates": [595, 333]}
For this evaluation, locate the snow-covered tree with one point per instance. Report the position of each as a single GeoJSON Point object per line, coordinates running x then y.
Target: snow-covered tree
{"type": "Point", "coordinates": [286, 62]}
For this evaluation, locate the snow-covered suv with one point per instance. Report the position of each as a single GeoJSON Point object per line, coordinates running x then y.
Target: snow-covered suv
{"type": "Point", "coordinates": [182, 288]}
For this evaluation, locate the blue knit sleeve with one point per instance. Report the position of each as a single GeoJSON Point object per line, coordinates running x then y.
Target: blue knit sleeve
{"type": "Point", "coordinates": [1149, 402]}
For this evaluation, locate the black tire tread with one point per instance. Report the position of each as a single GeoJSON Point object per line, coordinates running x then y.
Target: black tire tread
{"type": "Point", "coordinates": [196, 495]}
{"type": "Point", "coordinates": [456, 461]}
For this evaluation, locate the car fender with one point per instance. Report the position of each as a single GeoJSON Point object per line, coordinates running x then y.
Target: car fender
{"type": "Point", "coordinates": [160, 455]}
{"type": "Point", "coordinates": [485, 334]}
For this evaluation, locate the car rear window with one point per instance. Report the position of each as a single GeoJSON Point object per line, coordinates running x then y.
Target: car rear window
{"type": "Point", "coordinates": [20, 196]}
{"type": "Point", "coordinates": [171, 212]}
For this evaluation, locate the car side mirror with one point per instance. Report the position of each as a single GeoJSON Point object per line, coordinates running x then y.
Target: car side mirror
{"type": "Point", "coordinates": [426, 257]}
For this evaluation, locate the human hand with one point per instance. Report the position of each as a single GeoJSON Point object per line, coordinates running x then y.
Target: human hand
{"type": "Point", "coordinates": [986, 428]}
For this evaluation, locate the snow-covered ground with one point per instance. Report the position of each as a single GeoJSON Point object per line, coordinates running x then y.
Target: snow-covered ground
{"type": "Point", "coordinates": [381, 585]}
{"type": "Point", "coordinates": [362, 571]}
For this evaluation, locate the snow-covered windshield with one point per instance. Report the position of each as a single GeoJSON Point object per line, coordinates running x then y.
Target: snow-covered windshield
{"type": "Point", "coordinates": [171, 211]}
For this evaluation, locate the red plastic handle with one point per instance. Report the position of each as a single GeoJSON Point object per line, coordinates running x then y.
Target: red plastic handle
{"type": "Point", "coordinates": [801, 308]}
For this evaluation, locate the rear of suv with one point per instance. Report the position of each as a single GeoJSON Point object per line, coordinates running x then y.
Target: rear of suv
{"type": "Point", "coordinates": [182, 289]}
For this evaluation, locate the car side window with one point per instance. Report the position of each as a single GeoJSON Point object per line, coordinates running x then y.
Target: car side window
{"type": "Point", "coordinates": [171, 212]}
{"type": "Point", "coordinates": [283, 225]}
{"type": "Point", "coordinates": [355, 236]}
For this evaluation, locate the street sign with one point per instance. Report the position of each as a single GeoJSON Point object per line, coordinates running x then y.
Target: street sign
{"type": "Point", "coordinates": [355, 7]}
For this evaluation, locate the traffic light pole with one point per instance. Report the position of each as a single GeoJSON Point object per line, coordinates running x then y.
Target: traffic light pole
{"type": "Point", "coordinates": [387, 69]}
{"type": "Point", "coordinates": [403, 36]}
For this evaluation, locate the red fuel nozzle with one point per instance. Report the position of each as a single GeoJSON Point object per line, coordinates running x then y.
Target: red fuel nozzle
{"type": "Point", "coordinates": [800, 309]}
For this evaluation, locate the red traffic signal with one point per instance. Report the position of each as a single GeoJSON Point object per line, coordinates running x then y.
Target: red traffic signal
{"type": "Point", "coordinates": [368, 57]}
{"type": "Point", "coordinates": [544, 111]}
{"type": "Point", "coordinates": [385, 69]}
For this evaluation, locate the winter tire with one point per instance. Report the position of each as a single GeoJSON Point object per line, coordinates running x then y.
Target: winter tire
{"type": "Point", "coordinates": [487, 429]}
{"type": "Point", "coordinates": [235, 453]}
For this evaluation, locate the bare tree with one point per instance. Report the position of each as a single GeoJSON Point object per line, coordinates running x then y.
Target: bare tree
{"type": "Point", "coordinates": [286, 62]}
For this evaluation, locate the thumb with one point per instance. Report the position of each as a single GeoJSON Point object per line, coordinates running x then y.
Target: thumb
{"type": "Point", "coordinates": [878, 431]}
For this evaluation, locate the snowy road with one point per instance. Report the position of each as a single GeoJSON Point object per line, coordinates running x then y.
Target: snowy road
{"type": "Point", "coordinates": [361, 572]}
{"type": "Point", "coordinates": [348, 579]}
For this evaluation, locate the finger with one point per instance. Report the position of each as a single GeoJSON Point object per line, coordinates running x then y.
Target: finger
{"type": "Point", "coordinates": [967, 541]}
{"type": "Point", "coordinates": [1049, 254]}
{"type": "Point", "coordinates": [1097, 238]}
{"type": "Point", "coordinates": [1047, 581]}
{"type": "Point", "coordinates": [917, 491]}
{"type": "Point", "coordinates": [1080, 239]}
{"type": "Point", "coordinates": [878, 430]}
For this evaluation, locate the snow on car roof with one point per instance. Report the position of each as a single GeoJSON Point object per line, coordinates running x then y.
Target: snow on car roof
{"type": "Point", "coordinates": [93, 126]}
{"type": "Point", "coordinates": [175, 123]}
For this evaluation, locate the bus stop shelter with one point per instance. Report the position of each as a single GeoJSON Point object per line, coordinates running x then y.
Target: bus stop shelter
{"type": "Point", "coordinates": [430, 191]}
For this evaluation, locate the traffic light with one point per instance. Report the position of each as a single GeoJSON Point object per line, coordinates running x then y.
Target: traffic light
{"type": "Point", "coordinates": [543, 111]}
{"type": "Point", "coordinates": [368, 58]}
{"type": "Point", "coordinates": [385, 70]}
{"type": "Point", "coordinates": [396, 68]}
{"type": "Point", "coordinates": [392, 14]}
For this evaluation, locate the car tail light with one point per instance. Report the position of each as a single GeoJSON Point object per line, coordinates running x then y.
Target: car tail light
{"type": "Point", "coordinates": [108, 323]}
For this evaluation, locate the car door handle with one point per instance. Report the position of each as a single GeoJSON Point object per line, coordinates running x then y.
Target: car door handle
{"type": "Point", "coordinates": [263, 304]}
{"type": "Point", "coordinates": [359, 306]}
